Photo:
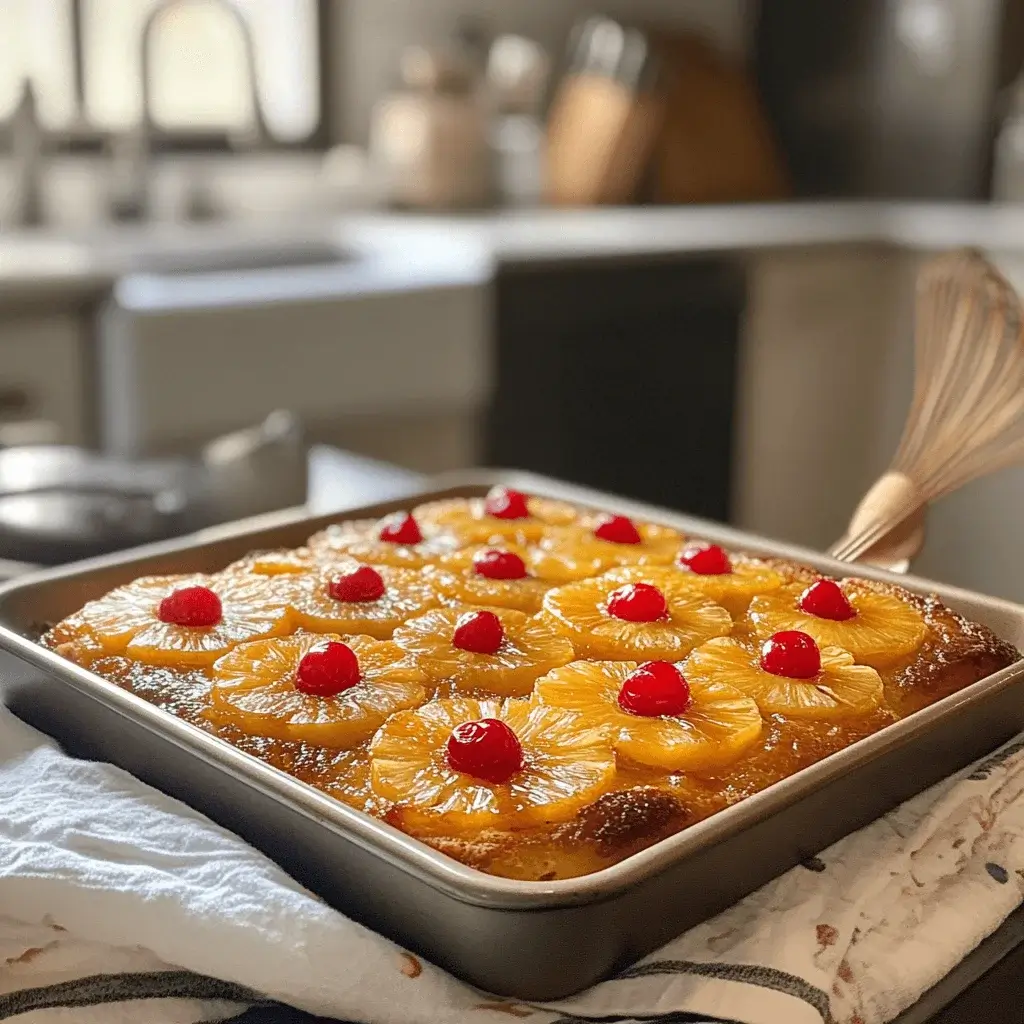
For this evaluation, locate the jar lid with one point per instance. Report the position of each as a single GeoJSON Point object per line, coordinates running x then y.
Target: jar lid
{"type": "Point", "coordinates": [602, 46]}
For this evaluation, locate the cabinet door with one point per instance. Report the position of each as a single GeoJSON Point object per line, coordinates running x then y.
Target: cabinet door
{"type": "Point", "coordinates": [42, 376]}
{"type": "Point", "coordinates": [621, 377]}
{"type": "Point", "coordinates": [823, 340]}
{"type": "Point", "coordinates": [174, 374]}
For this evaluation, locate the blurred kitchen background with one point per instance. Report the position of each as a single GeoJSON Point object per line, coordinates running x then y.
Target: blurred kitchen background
{"type": "Point", "coordinates": [661, 247]}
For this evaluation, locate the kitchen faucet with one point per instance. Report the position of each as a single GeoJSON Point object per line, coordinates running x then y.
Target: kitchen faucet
{"type": "Point", "coordinates": [132, 151]}
{"type": "Point", "coordinates": [27, 140]}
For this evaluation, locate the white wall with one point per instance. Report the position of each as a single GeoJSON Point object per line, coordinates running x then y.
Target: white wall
{"type": "Point", "coordinates": [372, 34]}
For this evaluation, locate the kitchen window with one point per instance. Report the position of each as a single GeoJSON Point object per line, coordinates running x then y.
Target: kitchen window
{"type": "Point", "coordinates": [84, 59]}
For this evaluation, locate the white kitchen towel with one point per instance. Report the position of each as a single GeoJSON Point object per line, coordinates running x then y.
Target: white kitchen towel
{"type": "Point", "coordinates": [118, 900]}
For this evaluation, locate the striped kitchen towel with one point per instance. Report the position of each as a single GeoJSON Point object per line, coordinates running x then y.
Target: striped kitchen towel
{"type": "Point", "coordinates": [120, 904]}
{"type": "Point", "coordinates": [48, 973]}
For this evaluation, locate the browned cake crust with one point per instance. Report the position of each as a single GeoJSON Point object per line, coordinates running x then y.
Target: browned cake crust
{"type": "Point", "coordinates": [644, 804]}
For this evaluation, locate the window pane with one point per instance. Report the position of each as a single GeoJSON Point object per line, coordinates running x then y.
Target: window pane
{"type": "Point", "coordinates": [287, 60]}
{"type": "Point", "coordinates": [35, 42]}
{"type": "Point", "coordinates": [199, 77]}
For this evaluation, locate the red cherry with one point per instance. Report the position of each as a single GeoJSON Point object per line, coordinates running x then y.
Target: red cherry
{"type": "Point", "coordinates": [505, 503]}
{"type": "Point", "coordinates": [362, 584]}
{"type": "Point", "coordinates": [479, 632]}
{"type": "Point", "coordinates": [400, 528]}
{"type": "Point", "coordinates": [637, 602]}
{"type": "Point", "coordinates": [618, 530]}
{"type": "Point", "coordinates": [657, 688]}
{"type": "Point", "coordinates": [827, 601]}
{"type": "Point", "coordinates": [705, 560]}
{"type": "Point", "coordinates": [191, 606]}
{"type": "Point", "coordinates": [486, 749]}
{"type": "Point", "coordinates": [327, 669]}
{"type": "Point", "coordinates": [792, 654]}
{"type": "Point", "coordinates": [499, 565]}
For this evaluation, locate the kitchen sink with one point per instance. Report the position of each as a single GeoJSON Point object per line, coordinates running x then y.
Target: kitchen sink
{"type": "Point", "coordinates": [213, 259]}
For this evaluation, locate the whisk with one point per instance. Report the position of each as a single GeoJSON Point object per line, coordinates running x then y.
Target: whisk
{"type": "Point", "coordinates": [966, 418]}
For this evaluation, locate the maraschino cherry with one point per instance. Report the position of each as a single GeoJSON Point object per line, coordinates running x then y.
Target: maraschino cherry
{"type": "Point", "coordinates": [637, 602]}
{"type": "Point", "coordinates": [495, 564]}
{"type": "Point", "coordinates": [327, 669]}
{"type": "Point", "coordinates": [360, 585]}
{"type": "Point", "coordinates": [705, 560]}
{"type": "Point", "coordinates": [198, 607]}
{"type": "Point", "coordinates": [791, 653]}
{"type": "Point", "coordinates": [486, 749]}
{"type": "Point", "coordinates": [479, 632]}
{"type": "Point", "coordinates": [400, 528]}
{"type": "Point", "coordinates": [618, 530]}
{"type": "Point", "coordinates": [505, 503]}
{"type": "Point", "coordinates": [825, 600]}
{"type": "Point", "coordinates": [654, 689]}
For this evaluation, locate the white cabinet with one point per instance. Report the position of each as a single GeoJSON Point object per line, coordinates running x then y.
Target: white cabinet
{"type": "Point", "coordinates": [42, 373]}
{"type": "Point", "coordinates": [398, 374]}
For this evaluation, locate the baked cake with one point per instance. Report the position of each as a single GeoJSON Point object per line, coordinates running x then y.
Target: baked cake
{"type": "Point", "coordinates": [535, 689]}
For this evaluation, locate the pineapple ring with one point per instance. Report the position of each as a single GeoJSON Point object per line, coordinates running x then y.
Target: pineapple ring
{"type": "Point", "coordinates": [578, 610]}
{"type": "Point", "coordinates": [111, 621]}
{"type": "Point", "coordinates": [286, 561]}
{"type": "Point", "coordinates": [456, 579]}
{"type": "Point", "coordinates": [254, 691]}
{"type": "Point", "coordinates": [358, 539]}
{"type": "Point", "coordinates": [531, 648]}
{"type": "Point", "coordinates": [567, 765]}
{"type": "Point", "coordinates": [884, 630]}
{"type": "Point", "coordinates": [735, 590]}
{"type": "Point", "coordinates": [74, 640]}
{"type": "Point", "coordinates": [407, 595]}
{"type": "Point", "coordinates": [839, 690]}
{"type": "Point", "coordinates": [574, 553]}
{"type": "Point", "coordinates": [463, 560]}
{"type": "Point", "coordinates": [126, 620]}
{"type": "Point", "coordinates": [525, 595]}
{"type": "Point", "coordinates": [718, 726]}
{"type": "Point", "coordinates": [468, 520]}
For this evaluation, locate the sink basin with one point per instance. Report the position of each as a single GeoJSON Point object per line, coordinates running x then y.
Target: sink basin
{"type": "Point", "coordinates": [218, 260]}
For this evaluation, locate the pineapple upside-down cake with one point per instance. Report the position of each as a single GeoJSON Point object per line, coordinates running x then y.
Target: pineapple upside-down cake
{"type": "Point", "coordinates": [535, 689]}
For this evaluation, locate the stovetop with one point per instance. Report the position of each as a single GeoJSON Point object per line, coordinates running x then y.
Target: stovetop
{"type": "Point", "coordinates": [336, 480]}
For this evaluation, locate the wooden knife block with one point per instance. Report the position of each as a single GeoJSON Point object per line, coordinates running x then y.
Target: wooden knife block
{"type": "Point", "coordinates": [715, 144]}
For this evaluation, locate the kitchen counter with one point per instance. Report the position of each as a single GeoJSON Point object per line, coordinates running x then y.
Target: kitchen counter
{"type": "Point", "coordinates": [555, 235]}
{"type": "Point", "coordinates": [41, 267]}
{"type": "Point", "coordinates": [234, 262]}
{"type": "Point", "coordinates": [417, 250]}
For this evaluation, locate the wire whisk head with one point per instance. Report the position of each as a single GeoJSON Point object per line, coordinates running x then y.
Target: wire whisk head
{"type": "Point", "coordinates": [966, 417]}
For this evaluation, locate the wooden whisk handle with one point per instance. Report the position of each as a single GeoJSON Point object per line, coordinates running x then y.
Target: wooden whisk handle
{"type": "Point", "coordinates": [888, 524]}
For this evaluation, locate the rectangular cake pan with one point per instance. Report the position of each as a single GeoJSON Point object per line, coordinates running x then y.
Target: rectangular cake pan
{"type": "Point", "coordinates": [531, 940]}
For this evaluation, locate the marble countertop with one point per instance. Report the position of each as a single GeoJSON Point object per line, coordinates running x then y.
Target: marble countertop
{"type": "Point", "coordinates": [393, 251]}
{"type": "Point", "coordinates": [512, 236]}
{"type": "Point", "coordinates": [150, 264]}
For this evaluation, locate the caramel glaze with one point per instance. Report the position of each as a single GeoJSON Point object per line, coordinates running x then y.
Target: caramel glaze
{"type": "Point", "coordinates": [647, 806]}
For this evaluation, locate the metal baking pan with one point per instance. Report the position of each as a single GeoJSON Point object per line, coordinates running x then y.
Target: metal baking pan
{"type": "Point", "coordinates": [531, 940]}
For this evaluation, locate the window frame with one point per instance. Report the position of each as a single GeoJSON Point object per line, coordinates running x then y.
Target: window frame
{"type": "Point", "coordinates": [87, 139]}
